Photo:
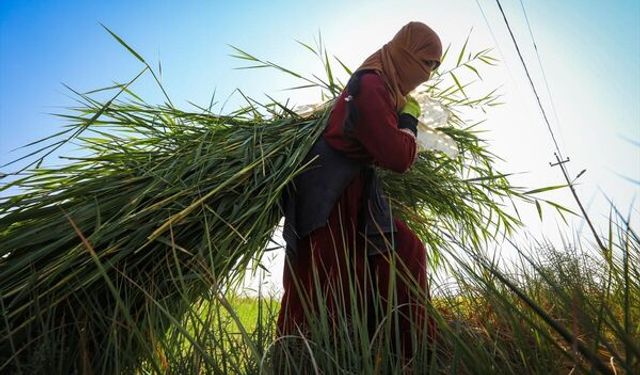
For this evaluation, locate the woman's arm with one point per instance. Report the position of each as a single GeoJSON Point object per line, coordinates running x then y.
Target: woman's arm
{"type": "Point", "coordinates": [377, 128]}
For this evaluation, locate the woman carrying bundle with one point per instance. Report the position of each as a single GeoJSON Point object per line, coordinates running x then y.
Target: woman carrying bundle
{"type": "Point", "coordinates": [346, 253]}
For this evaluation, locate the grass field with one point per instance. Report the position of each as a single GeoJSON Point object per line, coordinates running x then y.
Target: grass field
{"type": "Point", "coordinates": [559, 311]}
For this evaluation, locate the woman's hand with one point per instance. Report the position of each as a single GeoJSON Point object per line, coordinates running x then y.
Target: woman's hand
{"type": "Point", "coordinates": [409, 121]}
{"type": "Point", "coordinates": [415, 155]}
{"type": "Point", "coordinates": [408, 131]}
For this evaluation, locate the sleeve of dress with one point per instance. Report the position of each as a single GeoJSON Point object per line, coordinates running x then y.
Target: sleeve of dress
{"type": "Point", "coordinates": [377, 127]}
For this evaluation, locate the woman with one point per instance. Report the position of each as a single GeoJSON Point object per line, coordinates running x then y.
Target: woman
{"type": "Point", "coordinates": [342, 239]}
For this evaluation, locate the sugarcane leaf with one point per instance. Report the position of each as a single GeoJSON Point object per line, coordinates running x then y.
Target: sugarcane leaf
{"type": "Point", "coordinates": [464, 48]}
{"type": "Point", "coordinates": [346, 69]}
{"type": "Point", "coordinates": [124, 44]}
{"type": "Point", "coordinates": [546, 188]}
{"type": "Point", "coordinates": [457, 82]}
{"type": "Point", "coordinates": [473, 69]}
{"type": "Point", "coordinates": [562, 208]}
{"type": "Point", "coordinates": [308, 47]}
{"type": "Point", "coordinates": [539, 208]}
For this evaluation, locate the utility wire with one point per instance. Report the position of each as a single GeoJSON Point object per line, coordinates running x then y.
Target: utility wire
{"type": "Point", "coordinates": [558, 154]}
{"type": "Point", "coordinates": [526, 70]}
{"type": "Point", "coordinates": [544, 76]}
{"type": "Point", "coordinates": [495, 41]}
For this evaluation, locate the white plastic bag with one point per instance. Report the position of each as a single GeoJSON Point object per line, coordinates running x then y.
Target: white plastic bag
{"type": "Point", "coordinates": [433, 115]}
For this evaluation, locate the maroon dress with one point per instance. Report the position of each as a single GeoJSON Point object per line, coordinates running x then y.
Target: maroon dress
{"type": "Point", "coordinates": [333, 257]}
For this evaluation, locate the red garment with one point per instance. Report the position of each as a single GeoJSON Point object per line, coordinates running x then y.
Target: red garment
{"type": "Point", "coordinates": [378, 139]}
{"type": "Point", "coordinates": [336, 251]}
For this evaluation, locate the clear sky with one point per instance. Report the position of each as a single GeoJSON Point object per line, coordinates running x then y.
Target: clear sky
{"type": "Point", "coordinates": [590, 51]}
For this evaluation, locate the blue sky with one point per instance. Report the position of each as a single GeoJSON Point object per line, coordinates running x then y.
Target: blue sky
{"type": "Point", "coordinates": [45, 43]}
{"type": "Point", "coordinates": [590, 51]}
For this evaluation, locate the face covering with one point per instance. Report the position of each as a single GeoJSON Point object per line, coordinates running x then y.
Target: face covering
{"type": "Point", "coordinates": [404, 62]}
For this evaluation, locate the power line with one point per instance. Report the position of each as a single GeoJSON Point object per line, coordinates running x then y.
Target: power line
{"type": "Point", "coordinates": [495, 40]}
{"type": "Point", "coordinates": [544, 76]}
{"type": "Point", "coordinates": [526, 70]}
{"type": "Point", "coordinates": [558, 154]}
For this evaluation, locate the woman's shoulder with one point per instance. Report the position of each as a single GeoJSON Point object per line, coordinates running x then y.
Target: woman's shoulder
{"type": "Point", "coordinates": [371, 78]}
{"type": "Point", "coordinates": [372, 84]}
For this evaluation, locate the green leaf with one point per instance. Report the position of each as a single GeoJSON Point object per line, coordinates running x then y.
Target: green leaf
{"type": "Point", "coordinates": [125, 45]}
{"type": "Point", "coordinates": [546, 188]}
{"type": "Point", "coordinates": [464, 48]}
{"type": "Point", "coordinates": [346, 69]}
{"type": "Point", "coordinates": [473, 69]}
{"type": "Point", "coordinates": [457, 82]}
{"type": "Point", "coordinates": [539, 208]}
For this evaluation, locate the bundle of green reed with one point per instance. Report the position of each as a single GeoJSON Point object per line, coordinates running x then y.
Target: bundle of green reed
{"type": "Point", "coordinates": [100, 256]}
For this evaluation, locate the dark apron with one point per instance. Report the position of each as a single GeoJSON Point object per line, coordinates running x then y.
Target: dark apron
{"type": "Point", "coordinates": [310, 198]}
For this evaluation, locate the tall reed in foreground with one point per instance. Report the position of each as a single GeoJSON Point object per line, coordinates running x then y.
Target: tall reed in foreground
{"type": "Point", "coordinates": [554, 310]}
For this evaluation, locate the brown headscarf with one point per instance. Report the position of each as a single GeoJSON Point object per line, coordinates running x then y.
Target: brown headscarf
{"type": "Point", "coordinates": [403, 61]}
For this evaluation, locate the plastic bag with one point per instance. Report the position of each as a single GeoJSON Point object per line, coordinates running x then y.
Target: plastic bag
{"type": "Point", "coordinates": [434, 115]}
